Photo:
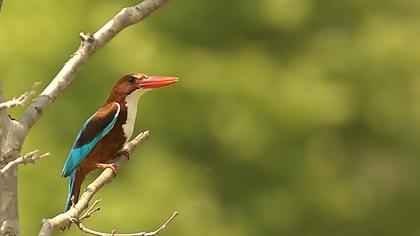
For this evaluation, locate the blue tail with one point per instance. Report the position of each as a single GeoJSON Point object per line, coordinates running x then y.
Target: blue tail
{"type": "Point", "coordinates": [71, 189]}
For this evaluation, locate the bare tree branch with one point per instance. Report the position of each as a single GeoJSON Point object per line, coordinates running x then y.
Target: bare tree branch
{"type": "Point", "coordinates": [89, 46]}
{"type": "Point", "coordinates": [95, 208]}
{"type": "Point", "coordinates": [14, 132]}
{"type": "Point", "coordinates": [21, 100]}
{"type": "Point", "coordinates": [29, 157]}
{"type": "Point", "coordinates": [64, 219]}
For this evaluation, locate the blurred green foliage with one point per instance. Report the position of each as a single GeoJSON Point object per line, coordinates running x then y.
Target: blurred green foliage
{"type": "Point", "coordinates": [292, 117]}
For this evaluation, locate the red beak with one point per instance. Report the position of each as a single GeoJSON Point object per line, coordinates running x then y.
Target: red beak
{"type": "Point", "coordinates": [157, 81]}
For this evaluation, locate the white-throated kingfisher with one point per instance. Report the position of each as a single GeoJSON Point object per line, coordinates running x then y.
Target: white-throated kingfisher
{"type": "Point", "coordinates": [105, 132]}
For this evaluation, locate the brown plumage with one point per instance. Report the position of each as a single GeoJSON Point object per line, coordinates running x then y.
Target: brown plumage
{"type": "Point", "coordinates": [104, 134]}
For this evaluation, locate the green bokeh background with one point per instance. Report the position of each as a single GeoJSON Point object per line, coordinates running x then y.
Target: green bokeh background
{"type": "Point", "coordinates": [292, 117]}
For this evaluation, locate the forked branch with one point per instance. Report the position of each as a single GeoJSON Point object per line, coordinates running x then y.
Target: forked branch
{"type": "Point", "coordinates": [29, 157]}
{"type": "Point", "coordinates": [22, 100]}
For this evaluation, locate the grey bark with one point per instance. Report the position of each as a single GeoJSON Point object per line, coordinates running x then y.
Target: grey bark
{"type": "Point", "coordinates": [10, 146]}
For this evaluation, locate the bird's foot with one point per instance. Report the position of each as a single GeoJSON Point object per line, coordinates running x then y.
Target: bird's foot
{"type": "Point", "coordinates": [112, 166]}
{"type": "Point", "coordinates": [123, 152]}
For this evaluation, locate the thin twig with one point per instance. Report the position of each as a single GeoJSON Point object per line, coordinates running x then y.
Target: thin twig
{"type": "Point", "coordinates": [29, 157]}
{"type": "Point", "coordinates": [95, 208]}
{"type": "Point", "coordinates": [91, 210]}
{"type": "Point", "coordinates": [22, 99]}
{"type": "Point", "coordinates": [113, 233]}
{"type": "Point", "coordinates": [64, 219]}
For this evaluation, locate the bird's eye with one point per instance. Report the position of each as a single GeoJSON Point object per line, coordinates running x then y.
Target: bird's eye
{"type": "Point", "coordinates": [131, 80]}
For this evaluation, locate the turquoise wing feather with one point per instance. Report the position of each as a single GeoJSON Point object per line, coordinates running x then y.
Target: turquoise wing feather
{"type": "Point", "coordinates": [93, 130]}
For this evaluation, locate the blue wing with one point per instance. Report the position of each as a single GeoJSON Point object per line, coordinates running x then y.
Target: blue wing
{"type": "Point", "coordinates": [94, 129]}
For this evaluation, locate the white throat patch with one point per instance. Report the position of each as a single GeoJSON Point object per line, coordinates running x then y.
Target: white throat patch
{"type": "Point", "coordinates": [131, 101]}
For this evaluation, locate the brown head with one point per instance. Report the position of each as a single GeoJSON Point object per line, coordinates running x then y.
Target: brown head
{"type": "Point", "coordinates": [137, 82]}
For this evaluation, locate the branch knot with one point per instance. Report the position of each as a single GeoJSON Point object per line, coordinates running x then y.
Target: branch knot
{"type": "Point", "coordinates": [86, 37]}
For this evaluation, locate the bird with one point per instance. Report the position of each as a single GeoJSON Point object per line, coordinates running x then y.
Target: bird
{"type": "Point", "coordinates": [103, 135]}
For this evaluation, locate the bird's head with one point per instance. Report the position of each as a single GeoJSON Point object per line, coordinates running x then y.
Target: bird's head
{"type": "Point", "coordinates": [138, 84]}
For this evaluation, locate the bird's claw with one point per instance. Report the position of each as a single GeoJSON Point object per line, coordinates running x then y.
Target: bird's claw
{"type": "Point", "coordinates": [111, 166]}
